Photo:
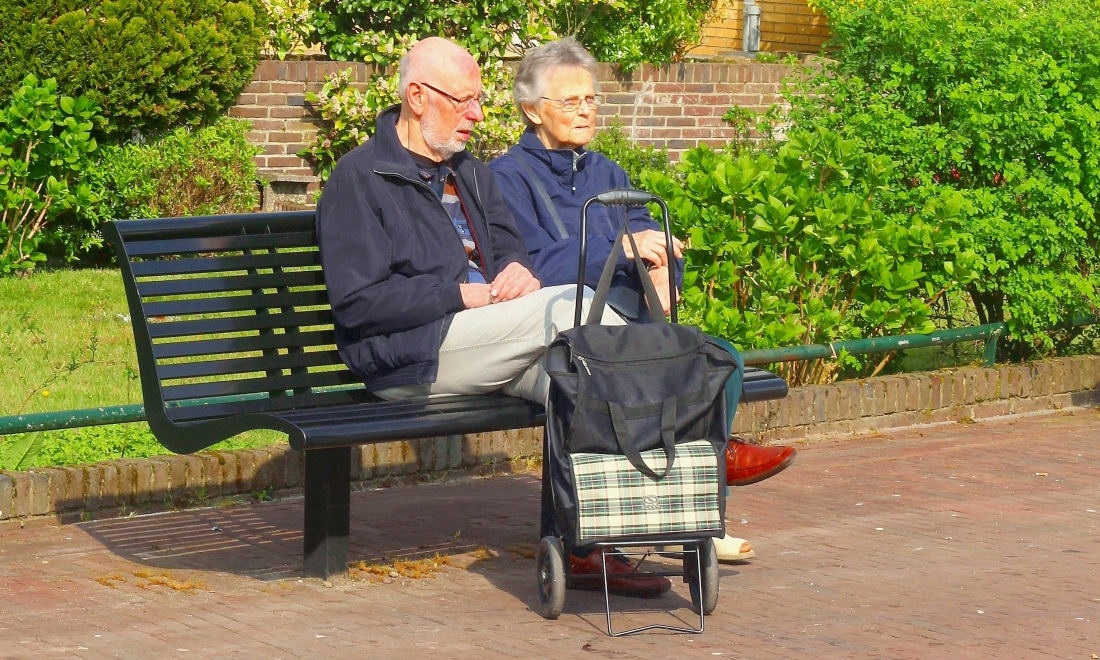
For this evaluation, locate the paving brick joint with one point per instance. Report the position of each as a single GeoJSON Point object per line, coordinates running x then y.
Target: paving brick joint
{"type": "Point", "coordinates": [953, 541]}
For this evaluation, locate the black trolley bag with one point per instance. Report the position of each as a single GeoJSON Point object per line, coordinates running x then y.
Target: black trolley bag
{"type": "Point", "coordinates": [635, 439]}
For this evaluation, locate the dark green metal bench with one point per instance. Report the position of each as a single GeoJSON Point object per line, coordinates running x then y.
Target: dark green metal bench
{"type": "Point", "coordinates": [234, 332]}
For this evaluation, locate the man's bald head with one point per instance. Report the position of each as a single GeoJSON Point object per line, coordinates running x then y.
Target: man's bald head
{"type": "Point", "coordinates": [435, 60]}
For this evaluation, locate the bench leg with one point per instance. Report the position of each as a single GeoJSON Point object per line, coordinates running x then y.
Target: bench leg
{"type": "Point", "coordinates": [328, 512]}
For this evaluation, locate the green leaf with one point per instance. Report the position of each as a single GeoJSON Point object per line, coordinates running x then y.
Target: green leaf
{"type": "Point", "coordinates": [21, 451]}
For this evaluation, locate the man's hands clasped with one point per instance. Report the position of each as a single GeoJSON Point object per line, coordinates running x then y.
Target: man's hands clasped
{"type": "Point", "coordinates": [515, 281]}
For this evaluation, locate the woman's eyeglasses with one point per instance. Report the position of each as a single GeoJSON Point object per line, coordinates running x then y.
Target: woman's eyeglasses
{"type": "Point", "coordinates": [573, 104]}
{"type": "Point", "coordinates": [461, 105]}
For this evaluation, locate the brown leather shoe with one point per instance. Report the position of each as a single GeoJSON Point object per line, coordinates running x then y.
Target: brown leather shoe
{"type": "Point", "coordinates": [746, 464]}
{"type": "Point", "coordinates": [623, 577]}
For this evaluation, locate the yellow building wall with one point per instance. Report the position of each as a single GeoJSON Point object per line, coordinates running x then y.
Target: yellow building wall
{"type": "Point", "coordinates": [785, 26]}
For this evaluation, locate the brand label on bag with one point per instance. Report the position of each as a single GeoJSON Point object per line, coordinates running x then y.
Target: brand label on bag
{"type": "Point", "coordinates": [614, 499]}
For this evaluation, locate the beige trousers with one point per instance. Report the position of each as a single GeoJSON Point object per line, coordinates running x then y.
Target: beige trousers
{"type": "Point", "coordinates": [501, 346]}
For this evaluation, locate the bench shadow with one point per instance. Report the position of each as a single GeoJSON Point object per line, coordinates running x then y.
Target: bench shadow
{"type": "Point", "coordinates": [263, 541]}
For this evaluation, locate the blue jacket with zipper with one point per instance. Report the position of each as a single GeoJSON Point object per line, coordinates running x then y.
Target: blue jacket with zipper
{"type": "Point", "coordinates": [393, 261]}
{"type": "Point", "coordinates": [570, 177]}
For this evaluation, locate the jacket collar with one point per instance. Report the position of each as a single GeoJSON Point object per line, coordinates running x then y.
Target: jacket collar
{"type": "Point", "coordinates": [562, 162]}
{"type": "Point", "coordinates": [393, 157]}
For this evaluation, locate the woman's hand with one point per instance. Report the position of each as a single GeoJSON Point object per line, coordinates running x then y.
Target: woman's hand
{"type": "Point", "coordinates": [660, 277]}
{"type": "Point", "coordinates": [651, 247]}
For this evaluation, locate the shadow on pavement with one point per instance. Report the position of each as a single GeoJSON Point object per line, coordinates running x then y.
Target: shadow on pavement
{"type": "Point", "coordinates": [264, 541]}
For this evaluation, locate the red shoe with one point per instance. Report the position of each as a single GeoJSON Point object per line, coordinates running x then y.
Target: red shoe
{"type": "Point", "coordinates": [623, 577]}
{"type": "Point", "coordinates": [746, 464]}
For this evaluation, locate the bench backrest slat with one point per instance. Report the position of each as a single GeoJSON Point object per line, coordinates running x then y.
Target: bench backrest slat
{"type": "Point", "coordinates": [233, 283]}
{"type": "Point", "coordinates": [245, 365]}
{"type": "Point", "coordinates": [240, 323]}
{"type": "Point", "coordinates": [257, 385]}
{"type": "Point", "coordinates": [194, 265]}
{"type": "Point", "coordinates": [178, 246]}
{"type": "Point", "coordinates": [236, 303]}
{"type": "Point", "coordinates": [243, 344]}
{"type": "Point", "coordinates": [231, 306]}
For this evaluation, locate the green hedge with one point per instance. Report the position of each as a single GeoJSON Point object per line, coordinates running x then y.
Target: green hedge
{"type": "Point", "coordinates": [150, 65]}
{"type": "Point", "coordinates": [625, 32]}
{"type": "Point", "coordinates": [203, 172]}
{"type": "Point", "coordinates": [1000, 101]}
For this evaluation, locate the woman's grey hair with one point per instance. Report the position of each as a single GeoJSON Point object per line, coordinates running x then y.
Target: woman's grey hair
{"type": "Point", "coordinates": [537, 64]}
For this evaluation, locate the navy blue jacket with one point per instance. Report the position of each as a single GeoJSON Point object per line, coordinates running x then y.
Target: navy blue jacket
{"type": "Point", "coordinates": [570, 178]}
{"type": "Point", "coordinates": [393, 261]}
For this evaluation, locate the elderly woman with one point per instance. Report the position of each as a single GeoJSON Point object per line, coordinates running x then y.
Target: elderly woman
{"type": "Point", "coordinates": [547, 178]}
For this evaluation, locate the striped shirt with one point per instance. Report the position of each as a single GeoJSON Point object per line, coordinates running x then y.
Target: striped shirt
{"type": "Point", "coordinates": [441, 179]}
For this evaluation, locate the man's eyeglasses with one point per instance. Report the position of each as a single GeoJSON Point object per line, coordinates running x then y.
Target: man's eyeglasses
{"type": "Point", "coordinates": [461, 105]}
{"type": "Point", "coordinates": [573, 104]}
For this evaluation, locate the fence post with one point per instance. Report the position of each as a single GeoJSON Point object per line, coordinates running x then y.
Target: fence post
{"type": "Point", "coordinates": [989, 357]}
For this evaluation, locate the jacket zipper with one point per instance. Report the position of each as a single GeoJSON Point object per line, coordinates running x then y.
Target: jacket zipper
{"type": "Point", "coordinates": [477, 243]}
{"type": "Point", "coordinates": [444, 208]}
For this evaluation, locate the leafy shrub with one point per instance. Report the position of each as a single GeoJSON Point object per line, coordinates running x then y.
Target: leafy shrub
{"type": "Point", "coordinates": [202, 172]}
{"type": "Point", "coordinates": [627, 32]}
{"type": "Point", "coordinates": [613, 142]}
{"type": "Point", "coordinates": [995, 99]}
{"type": "Point", "coordinates": [348, 115]}
{"type": "Point", "coordinates": [150, 66]}
{"type": "Point", "coordinates": [45, 142]}
{"type": "Point", "coordinates": [793, 245]}
{"type": "Point", "coordinates": [633, 32]}
{"type": "Point", "coordinates": [380, 31]}
{"type": "Point", "coordinates": [289, 26]}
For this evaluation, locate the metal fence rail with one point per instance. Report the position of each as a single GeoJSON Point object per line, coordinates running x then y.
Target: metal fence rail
{"type": "Point", "coordinates": [989, 333]}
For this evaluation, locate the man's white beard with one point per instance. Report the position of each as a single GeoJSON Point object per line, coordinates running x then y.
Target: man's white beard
{"type": "Point", "coordinates": [445, 146]}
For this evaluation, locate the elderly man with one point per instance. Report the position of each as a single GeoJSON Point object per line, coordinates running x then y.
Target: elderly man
{"type": "Point", "coordinates": [428, 277]}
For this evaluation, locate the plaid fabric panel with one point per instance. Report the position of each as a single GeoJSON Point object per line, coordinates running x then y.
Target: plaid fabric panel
{"type": "Point", "coordinates": [614, 499]}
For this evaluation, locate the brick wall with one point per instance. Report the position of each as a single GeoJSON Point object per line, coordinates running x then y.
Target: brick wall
{"type": "Point", "coordinates": [678, 106]}
{"type": "Point", "coordinates": [785, 26]}
{"type": "Point", "coordinates": [112, 488]}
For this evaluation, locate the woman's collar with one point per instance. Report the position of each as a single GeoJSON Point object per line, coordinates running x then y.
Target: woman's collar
{"type": "Point", "coordinates": [560, 161]}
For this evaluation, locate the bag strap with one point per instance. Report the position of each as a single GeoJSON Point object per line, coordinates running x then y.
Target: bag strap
{"type": "Point", "coordinates": [599, 300]}
{"type": "Point", "coordinates": [542, 193]}
{"type": "Point", "coordinates": [627, 445]}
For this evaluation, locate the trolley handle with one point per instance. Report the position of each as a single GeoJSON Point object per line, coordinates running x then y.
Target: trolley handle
{"type": "Point", "coordinates": [624, 197]}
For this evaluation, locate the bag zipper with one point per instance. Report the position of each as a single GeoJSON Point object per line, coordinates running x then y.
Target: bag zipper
{"type": "Point", "coordinates": [614, 364]}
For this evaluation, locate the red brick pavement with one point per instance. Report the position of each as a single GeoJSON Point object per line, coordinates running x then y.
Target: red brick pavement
{"type": "Point", "coordinates": [938, 542]}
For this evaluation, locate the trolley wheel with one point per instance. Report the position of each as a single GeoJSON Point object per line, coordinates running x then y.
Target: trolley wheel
{"type": "Point", "coordinates": [551, 577]}
{"type": "Point", "coordinates": [709, 581]}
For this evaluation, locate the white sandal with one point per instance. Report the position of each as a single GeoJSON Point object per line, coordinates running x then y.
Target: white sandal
{"type": "Point", "coordinates": [728, 548]}
{"type": "Point", "coordinates": [731, 548]}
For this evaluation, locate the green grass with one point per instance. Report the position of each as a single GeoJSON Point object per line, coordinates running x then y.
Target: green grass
{"type": "Point", "coordinates": [65, 343]}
